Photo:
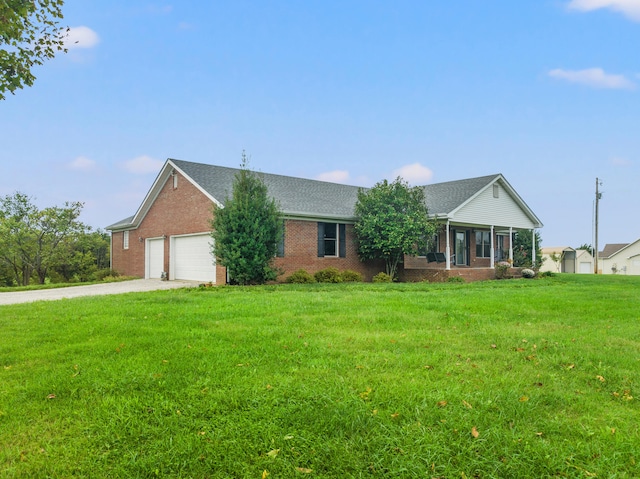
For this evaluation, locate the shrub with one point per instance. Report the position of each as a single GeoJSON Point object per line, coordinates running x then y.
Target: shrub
{"type": "Point", "coordinates": [455, 279]}
{"type": "Point", "coordinates": [382, 278]}
{"type": "Point", "coordinates": [503, 270]}
{"type": "Point", "coordinates": [547, 274]}
{"type": "Point", "coordinates": [101, 274]}
{"type": "Point", "coordinates": [350, 276]}
{"type": "Point", "coordinates": [328, 275]}
{"type": "Point", "coordinates": [528, 273]}
{"type": "Point", "coordinates": [301, 277]}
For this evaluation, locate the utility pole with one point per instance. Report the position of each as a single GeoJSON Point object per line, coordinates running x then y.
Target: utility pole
{"type": "Point", "coordinates": [598, 196]}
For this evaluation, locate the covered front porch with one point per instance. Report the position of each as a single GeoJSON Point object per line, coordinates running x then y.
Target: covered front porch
{"type": "Point", "coordinates": [465, 250]}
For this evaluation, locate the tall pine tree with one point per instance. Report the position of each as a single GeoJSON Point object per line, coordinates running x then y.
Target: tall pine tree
{"type": "Point", "coordinates": [247, 230]}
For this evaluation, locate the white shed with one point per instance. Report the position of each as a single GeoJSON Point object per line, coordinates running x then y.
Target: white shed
{"type": "Point", "coordinates": [565, 259]}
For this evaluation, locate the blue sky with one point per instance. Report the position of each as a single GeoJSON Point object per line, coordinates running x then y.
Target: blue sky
{"type": "Point", "coordinates": [546, 92]}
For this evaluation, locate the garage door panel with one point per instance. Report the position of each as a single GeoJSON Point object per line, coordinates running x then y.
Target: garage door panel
{"type": "Point", "coordinates": [192, 258]}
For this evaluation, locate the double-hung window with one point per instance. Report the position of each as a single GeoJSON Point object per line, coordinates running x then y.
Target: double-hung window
{"type": "Point", "coordinates": [483, 244]}
{"type": "Point", "coordinates": [332, 240]}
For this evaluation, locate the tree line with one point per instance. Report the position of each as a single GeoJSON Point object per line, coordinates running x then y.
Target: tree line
{"type": "Point", "coordinates": [48, 245]}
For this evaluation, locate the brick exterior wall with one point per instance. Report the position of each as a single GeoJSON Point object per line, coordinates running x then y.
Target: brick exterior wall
{"type": "Point", "coordinates": [301, 252]}
{"type": "Point", "coordinates": [175, 211]}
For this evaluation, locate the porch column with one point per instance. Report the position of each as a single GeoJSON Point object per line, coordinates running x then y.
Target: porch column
{"type": "Point", "coordinates": [492, 254]}
{"type": "Point", "coordinates": [448, 250]}
{"type": "Point", "coordinates": [533, 248]}
{"type": "Point", "coordinates": [511, 244]}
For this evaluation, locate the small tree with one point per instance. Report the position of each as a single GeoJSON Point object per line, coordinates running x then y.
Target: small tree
{"type": "Point", "coordinates": [247, 230]}
{"type": "Point", "coordinates": [523, 247]}
{"type": "Point", "coordinates": [586, 247]}
{"type": "Point", "coordinates": [391, 221]}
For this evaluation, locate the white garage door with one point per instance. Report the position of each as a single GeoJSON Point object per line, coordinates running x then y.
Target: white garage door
{"type": "Point", "coordinates": [154, 258]}
{"type": "Point", "coordinates": [586, 267]}
{"type": "Point", "coordinates": [192, 258]}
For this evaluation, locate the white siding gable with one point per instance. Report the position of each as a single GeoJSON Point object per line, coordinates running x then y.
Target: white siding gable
{"type": "Point", "coordinates": [485, 209]}
{"type": "Point", "coordinates": [626, 261]}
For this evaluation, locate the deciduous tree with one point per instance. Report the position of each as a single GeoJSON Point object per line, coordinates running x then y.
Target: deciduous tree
{"type": "Point", "coordinates": [247, 230]}
{"type": "Point", "coordinates": [31, 239]}
{"type": "Point", "coordinates": [392, 221]}
{"type": "Point", "coordinates": [29, 35]}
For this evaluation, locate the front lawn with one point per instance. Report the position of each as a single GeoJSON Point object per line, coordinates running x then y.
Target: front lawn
{"type": "Point", "coordinates": [499, 379]}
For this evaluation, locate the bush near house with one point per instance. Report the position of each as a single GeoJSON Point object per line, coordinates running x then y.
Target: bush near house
{"type": "Point", "coordinates": [350, 276]}
{"type": "Point", "coordinates": [301, 276]}
{"type": "Point", "coordinates": [328, 275]}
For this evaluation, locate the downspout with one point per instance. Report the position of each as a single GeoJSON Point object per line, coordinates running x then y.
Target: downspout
{"type": "Point", "coordinates": [448, 250]}
{"type": "Point", "coordinates": [492, 255]}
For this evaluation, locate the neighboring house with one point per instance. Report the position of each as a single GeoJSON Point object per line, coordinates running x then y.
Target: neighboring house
{"type": "Point", "coordinates": [622, 258]}
{"type": "Point", "coordinates": [169, 233]}
{"type": "Point", "coordinates": [564, 259]}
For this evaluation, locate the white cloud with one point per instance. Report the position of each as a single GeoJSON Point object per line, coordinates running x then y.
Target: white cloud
{"type": "Point", "coordinates": [142, 165]}
{"type": "Point", "coordinates": [80, 37]}
{"type": "Point", "coordinates": [82, 163]}
{"type": "Point", "coordinates": [415, 174]}
{"type": "Point", "coordinates": [335, 176]}
{"type": "Point", "coordinates": [629, 8]}
{"type": "Point", "coordinates": [616, 161]}
{"type": "Point", "coordinates": [595, 78]}
{"type": "Point", "coordinates": [185, 26]}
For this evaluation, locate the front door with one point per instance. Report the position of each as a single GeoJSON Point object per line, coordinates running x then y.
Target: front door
{"type": "Point", "coordinates": [460, 248]}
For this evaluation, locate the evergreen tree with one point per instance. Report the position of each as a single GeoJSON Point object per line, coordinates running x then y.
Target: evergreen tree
{"type": "Point", "coordinates": [247, 230]}
{"type": "Point", "coordinates": [523, 247]}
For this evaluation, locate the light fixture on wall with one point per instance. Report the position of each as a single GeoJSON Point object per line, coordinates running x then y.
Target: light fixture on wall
{"type": "Point", "coordinates": [140, 239]}
{"type": "Point", "coordinates": [164, 236]}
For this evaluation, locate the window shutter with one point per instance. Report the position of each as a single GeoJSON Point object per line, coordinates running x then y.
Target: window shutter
{"type": "Point", "coordinates": [343, 240]}
{"type": "Point", "coordinates": [280, 252]}
{"type": "Point", "coordinates": [320, 240]}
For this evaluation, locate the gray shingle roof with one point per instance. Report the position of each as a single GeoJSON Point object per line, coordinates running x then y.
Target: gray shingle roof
{"type": "Point", "coordinates": [611, 249]}
{"type": "Point", "coordinates": [443, 198]}
{"type": "Point", "coordinates": [296, 196]}
{"type": "Point", "coordinates": [316, 199]}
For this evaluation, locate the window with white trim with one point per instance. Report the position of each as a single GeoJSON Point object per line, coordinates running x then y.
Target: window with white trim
{"type": "Point", "coordinates": [125, 240]}
{"type": "Point", "coordinates": [483, 244]}
{"type": "Point", "coordinates": [332, 240]}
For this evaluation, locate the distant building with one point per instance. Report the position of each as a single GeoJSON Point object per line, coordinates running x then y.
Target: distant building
{"type": "Point", "coordinates": [620, 258]}
{"type": "Point", "coordinates": [565, 259]}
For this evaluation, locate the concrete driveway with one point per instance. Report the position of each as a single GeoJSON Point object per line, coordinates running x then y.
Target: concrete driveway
{"type": "Point", "coordinates": [133, 286]}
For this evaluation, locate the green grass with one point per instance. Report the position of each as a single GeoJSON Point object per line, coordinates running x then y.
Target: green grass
{"type": "Point", "coordinates": [340, 381]}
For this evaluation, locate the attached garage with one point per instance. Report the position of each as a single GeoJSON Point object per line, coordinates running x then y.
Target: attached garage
{"type": "Point", "coordinates": [154, 258]}
{"type": "Point", "coordinates": [191, 258]}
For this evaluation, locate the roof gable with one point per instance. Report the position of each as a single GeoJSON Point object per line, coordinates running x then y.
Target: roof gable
{"type": "Point", "coordinates": [611, 249]}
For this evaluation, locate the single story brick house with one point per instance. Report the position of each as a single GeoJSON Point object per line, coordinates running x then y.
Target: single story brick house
{"type": "Point", "coordinates": [169, 234]}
